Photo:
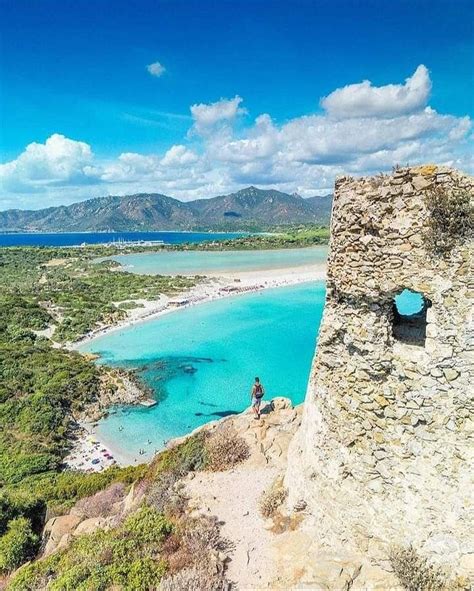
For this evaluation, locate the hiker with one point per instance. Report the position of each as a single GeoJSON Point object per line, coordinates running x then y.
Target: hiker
{"type": "Point", "coordinates": [256, 396]}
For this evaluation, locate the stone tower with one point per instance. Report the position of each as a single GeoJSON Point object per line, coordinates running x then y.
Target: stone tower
{"type": "Point", "coordinates": [384, 453]}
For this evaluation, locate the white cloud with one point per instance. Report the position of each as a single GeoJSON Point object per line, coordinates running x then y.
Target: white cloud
{"type": "Point", "coordinates": [365, 100]}
{"type": "Point", "coordinates": [304, 153]}
{"type": "Point", "coordinates": [179, 155]}
{"type": "Point", "coordinates": [207, 115]}
{"type": "Point", "coordinates": [59, 161]}
{"type": "Point", "coordinates": [156, 69]}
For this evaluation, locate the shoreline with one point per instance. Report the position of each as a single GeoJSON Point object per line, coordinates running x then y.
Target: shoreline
{"type": "Point", "coordinates": [216, 285]}
{"type": "Point", "coordinates": [91, 453]}
{"type": "Point", "coordinates": [91, 446]}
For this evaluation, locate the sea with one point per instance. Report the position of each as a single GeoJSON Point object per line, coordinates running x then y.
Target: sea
{"type": "Point", "coordinates": [200, 362]}
{"type": "Point", "coordinates": [78, 238]}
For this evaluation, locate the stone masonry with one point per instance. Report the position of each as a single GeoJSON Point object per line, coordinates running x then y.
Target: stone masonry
{"type": "Point", "coordinates": [384, 454]}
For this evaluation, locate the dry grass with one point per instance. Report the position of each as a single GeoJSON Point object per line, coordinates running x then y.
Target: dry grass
{"type": "Point", "coordinates": [163, 491]}
{"type": "Point", "coordinates": [273, 498]}
{"type": "Point", "coordinates": [225, 448]}
{"type": "Point", "coordinates": [102, 503]}
{"type": "Point", "coordinates": [417, 573]}
{"type": "Point", "coordinates": [194, 579]}
{"type": "Point", "coordinates": [192, 556]}
{"type": "Point", "coordinates": [201, 535]}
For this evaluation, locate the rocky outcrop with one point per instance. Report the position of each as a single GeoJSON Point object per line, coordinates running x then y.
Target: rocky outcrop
{"type": "Point", "coordinates": [384, 453]}
{"type": "Point", "coordinates": [117, 386]}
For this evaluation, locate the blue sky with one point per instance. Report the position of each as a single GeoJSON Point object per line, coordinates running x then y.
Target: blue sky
{"type": "Point", "coordinates": [82, 115]}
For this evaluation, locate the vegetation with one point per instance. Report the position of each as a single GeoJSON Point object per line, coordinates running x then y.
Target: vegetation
{"type": "Point", "coordinates": [66, 288]}
{"type": "Point", "coordinates": [200, 451]}
{"type": "Point", "coordinates": [42, 388]}
{"type": "Point", "coordinates": [280, 237]}
{"type": "Point", "coordinates": [18, 544]}
{"type": "Point", "coordinates": [128, 556]}
{"type": "Point", "coordinates": [158, 542]}
{"type": "Point", "coordinates": [450, 221]}
{"type": "Point", "coordinates": [225, 448]}
{"type": "Point", "coordinates": [273, 498]}
{"type": "Point", "coordinates": [416, 573]}
{"type": "Point", "coordinates": [23, 506]}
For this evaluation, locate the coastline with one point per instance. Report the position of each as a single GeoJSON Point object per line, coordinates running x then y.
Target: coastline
{"type": "Point", "coordinates": [91, 446]}
{"type": "Point", "coordinates": [216, 285]}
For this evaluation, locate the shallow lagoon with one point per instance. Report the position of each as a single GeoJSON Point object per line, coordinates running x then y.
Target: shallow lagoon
{"type": "Point", "coordinates": [203, 262]}
{"type": "Point", "coordinates": [226, 343]}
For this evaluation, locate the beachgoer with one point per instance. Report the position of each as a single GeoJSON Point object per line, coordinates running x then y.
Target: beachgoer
{"type": "Point", "coordinates": [256, 396]}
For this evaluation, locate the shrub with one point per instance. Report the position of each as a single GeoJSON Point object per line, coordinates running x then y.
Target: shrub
{"type": "Point", "coordinates": [148, 525]}
{"type": "Point", "coordinates": [451, 219]}
{"type": "Point", "coordinates": [201, 535]}
{"type": "Point", "coordinates": [183, 458]}
{"type": "Point", "coordinates": [102, 503]}
{"type": "Point", "coordinates": [128, 556]}
{"type": "Point", "coordinates": [194, 579]}
{"type": "Point", "coordinates": [273, 498]}
{"type": "Point", "coordinates": [166, 495]}
{"type": "Point", "coordinates": [17, 545]}
{"type": "Point", "coordinates": [416, 573]}
{"type": "Point", "coordinates": [144, 574]}
{"type": "Point", "coordinates": [15, 504]}
{"type": "Point", "coordinates": [225, 448]}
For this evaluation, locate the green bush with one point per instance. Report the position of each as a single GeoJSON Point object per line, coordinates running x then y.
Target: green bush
{"type": "Point", "coordinates": [61, 490]}
{"type": "Point", "coordinates": [181, 459]}
{"type": "Point", "coordinates": [17, 545]}
{"type": "Point", "coordinates": [128, 556]}
{"type": "Point", "coordinates": [22, 503]}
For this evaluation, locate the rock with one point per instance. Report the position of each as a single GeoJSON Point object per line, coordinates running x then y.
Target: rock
{"type": "Point", "coordinates": [300, 505]}
{"type": "Point", "coordinates": [450, 374]}
{"type": "Point", "coordinates": [90, 525]}
{"type": "Point", "coordinates": [56, 529]}
{"type": "Point", "coordinates": [378, 436]}
{"type": "Point", "coordinates": [280, 403]}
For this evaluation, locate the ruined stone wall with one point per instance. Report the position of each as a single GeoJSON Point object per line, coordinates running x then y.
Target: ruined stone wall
{"type": "Point", "coordinates": [384, 454]}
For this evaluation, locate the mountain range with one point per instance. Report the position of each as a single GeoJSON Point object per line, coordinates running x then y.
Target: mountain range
{"type": "Point", "coordinates": [248, 208]}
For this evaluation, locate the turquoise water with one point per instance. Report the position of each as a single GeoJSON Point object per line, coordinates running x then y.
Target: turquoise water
{"type": "Point", "coordinates": [200, 262]}
{"type": "Point", "coordinates": [226, 343]}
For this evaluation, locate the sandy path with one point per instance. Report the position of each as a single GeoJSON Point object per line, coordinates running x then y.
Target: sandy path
{"type": "Point", "coordinates": [233, 496]}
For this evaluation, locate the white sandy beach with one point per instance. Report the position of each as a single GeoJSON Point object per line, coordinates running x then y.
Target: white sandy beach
{"type": "Point", "coordinates": [89, 454]}
{"type": "Point", "coordinates": [217, 286]}
{"type": "Point", "coordinates": [90, 451]}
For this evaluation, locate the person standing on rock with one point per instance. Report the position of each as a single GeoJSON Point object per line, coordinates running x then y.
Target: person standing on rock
{"type": "Point", "coordinates": [256, 397]}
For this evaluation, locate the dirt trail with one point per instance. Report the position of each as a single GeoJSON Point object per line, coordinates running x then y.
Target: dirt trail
{"type": "Point", "coordinates": [233, 496]}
